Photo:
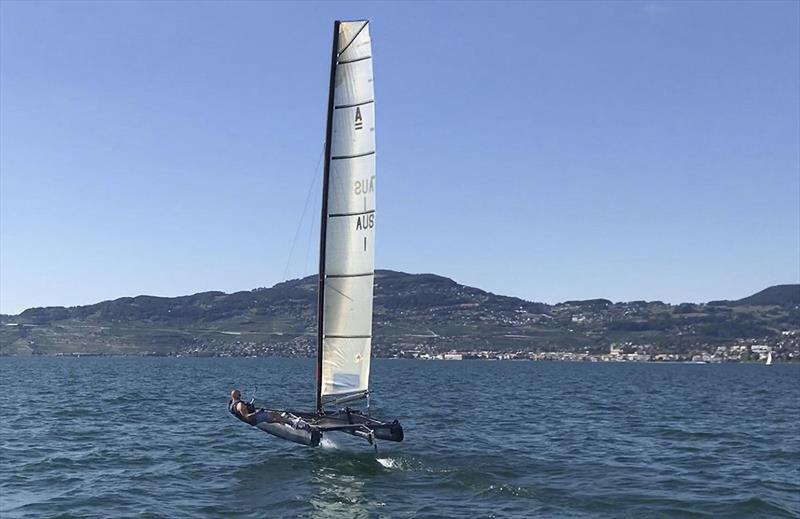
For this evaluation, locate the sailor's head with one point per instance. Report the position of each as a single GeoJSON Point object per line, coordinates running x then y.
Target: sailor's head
{"type": "Point", "coordinates": [235, 394]}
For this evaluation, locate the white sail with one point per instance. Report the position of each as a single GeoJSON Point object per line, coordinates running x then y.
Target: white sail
{"type": "Point", "coordinates": [769, 357]}
{"type": "Point", "coordinates": [349, 239]}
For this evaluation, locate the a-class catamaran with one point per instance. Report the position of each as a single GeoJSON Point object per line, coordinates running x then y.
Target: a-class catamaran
{"type": "Point", "coordinates": [347, 257]}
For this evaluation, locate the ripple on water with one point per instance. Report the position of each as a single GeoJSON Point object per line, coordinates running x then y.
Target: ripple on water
{"type": "Point", "coordinates": [556, 440]}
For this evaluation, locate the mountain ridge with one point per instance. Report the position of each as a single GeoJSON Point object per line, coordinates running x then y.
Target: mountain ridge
{"type": "Point", "coordinates": [422, 311]}
{"type": "Point", "coordinates": [773, 295]}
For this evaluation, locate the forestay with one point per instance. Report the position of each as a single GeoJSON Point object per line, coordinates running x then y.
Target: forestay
{"type": "Point", "coordinates": [348, 227]}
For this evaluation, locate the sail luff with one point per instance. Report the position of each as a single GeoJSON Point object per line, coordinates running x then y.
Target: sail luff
{"type": "Point", "coordinates": [324, 216]}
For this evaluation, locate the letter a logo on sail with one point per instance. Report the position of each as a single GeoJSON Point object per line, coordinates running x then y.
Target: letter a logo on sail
{"type": "Point", "coordinates": [359, 121]}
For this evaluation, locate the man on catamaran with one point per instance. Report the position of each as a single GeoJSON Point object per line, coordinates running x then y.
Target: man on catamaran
{"type": "Point", "coordinates": [240, 409]}
{"type": "Point", "coordinates": [248, 413]}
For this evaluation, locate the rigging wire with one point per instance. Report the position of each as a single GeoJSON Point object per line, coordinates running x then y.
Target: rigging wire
{"type": "Point", "coordinates": [311, 229]}
{"type": "Point", "coordinates": [305, 211]}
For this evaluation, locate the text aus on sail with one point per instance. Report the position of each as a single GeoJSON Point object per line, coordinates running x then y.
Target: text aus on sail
{"type": "Point", "coordinates": [365, 221]}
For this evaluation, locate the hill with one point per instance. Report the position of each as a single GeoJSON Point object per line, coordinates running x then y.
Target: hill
{"type": "Point", "coordinates": [779, 295]}
{"type": "Point", "coordinates": [422, 312]}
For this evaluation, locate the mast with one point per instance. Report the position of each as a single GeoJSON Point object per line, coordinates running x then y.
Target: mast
{"type": "Point", "coordinates": [324, 216]}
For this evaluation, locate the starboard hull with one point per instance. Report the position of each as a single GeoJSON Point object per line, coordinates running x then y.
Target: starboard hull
{"type": "Point", "coordinates": [355, 422]}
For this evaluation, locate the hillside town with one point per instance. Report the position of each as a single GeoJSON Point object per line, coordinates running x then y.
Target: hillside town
{"type": "Point", "coordinates": [783, 348]}
{"type": "Point", "coordinates": [741, 351]}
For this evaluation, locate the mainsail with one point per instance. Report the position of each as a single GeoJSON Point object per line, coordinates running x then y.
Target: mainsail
{"type": "Point", "coordinates": [347, 241]}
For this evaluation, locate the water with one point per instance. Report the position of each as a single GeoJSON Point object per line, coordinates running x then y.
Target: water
{"type": "Point", "coordinates": [150, 437]}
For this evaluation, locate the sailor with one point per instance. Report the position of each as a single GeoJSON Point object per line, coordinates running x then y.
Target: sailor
{"type": "Point", "coordinates": [242, 410]}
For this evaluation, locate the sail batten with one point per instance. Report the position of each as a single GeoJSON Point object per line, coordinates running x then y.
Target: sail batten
{"type": "Point", "coordinates": [344, 157]}
{"type": "Point", "coordinates": [347, 254]}
{"type": "Point", "coordinates": [354, 60]}
{"type": "Point", "coordinates": [351, 214]}
{"type": "Point", "coordinates": [339, 107]}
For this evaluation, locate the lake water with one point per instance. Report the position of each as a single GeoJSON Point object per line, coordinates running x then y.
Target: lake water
{"type": "Point", "coordinates": [151, 437]}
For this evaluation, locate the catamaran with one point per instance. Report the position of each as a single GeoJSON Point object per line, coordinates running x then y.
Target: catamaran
{"type": "Point", "coordinates": [346, 258]}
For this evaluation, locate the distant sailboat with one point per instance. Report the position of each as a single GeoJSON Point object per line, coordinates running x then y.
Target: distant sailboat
{"type": "Point", "coordinates": [347, 257]}
{"type": "Point", "coordinates": [769, 358]}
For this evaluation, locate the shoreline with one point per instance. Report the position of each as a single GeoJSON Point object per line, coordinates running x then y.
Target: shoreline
{"type": "Point", "coordinates": [480, 359]}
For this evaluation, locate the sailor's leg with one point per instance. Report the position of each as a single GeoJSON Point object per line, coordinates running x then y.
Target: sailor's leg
{"type": "Point", "coordinates": [262, 415]}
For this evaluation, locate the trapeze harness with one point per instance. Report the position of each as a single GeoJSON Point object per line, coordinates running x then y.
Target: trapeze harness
{"type": "Point", "coordinates": [232, 409]}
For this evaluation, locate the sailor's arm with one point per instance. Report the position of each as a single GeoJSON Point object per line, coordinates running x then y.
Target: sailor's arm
{"type": "Point", "coordinates": [242, 410]}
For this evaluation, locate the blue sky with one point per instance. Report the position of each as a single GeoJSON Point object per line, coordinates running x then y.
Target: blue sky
{"type": "Point", "coordinates": [552, 151]}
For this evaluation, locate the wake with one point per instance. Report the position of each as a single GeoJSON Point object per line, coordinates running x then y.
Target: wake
{"type": "Point", "coordinates": [389, 463]}
{"type": "Point", "coordinates": [328, 444]}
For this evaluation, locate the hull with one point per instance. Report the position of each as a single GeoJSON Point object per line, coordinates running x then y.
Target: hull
{"type": "Point", "coordinates": [311, 438]}
{"type": "Point", "coordinates": [288, 426]}
{"type": "Point", "coordinates": [308, 428]}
